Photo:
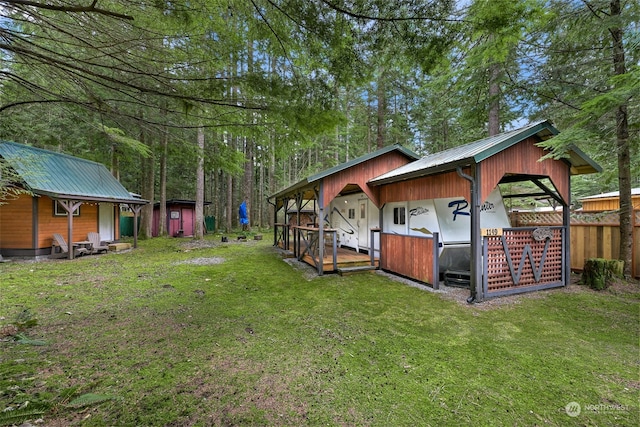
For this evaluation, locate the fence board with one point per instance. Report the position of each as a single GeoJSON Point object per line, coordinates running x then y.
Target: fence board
{"type": "Point", "coordinates": [593, 234]}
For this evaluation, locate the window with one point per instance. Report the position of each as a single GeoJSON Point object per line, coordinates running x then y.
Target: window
{"type": "Point", "coordinates": [58, 210]}
{"type": "Point", "coordinates": [363, 210]}
{"type": "Point", "coordinates": [352, 214]}
{"type": "Point", "coordinates": [399, 215]}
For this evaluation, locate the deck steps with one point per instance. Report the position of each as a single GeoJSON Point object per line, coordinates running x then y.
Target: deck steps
{"type": "Point", "coordinates": [117, 247]}
{"type": "Point", "coordinates": [344, 271]}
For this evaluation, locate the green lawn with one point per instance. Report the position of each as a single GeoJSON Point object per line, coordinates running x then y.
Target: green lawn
{"type": "Point", "coordinates": [173, 334]}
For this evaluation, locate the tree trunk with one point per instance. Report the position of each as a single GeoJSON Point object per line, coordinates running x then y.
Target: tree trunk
{"type": "Point", "coordinates": [624, 152]}
{"type": "Point", "coordinates": [229, 204]}
{"type": "Point", "coordinates": [382, 107]}
{"type": "Point", "coordinates": [494, 99]}
{"type": "Point", "coordinates": [596, 274]}
{"type": "Point", "coordinates": [148, 188]}
{"type": "Point", "coordinates": [162, 217]}
{"type": "Point", "coordinates": [199, 220]}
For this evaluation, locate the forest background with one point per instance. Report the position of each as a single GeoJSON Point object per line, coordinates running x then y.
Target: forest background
{"type": "Point", "coordinates": [232, 100]}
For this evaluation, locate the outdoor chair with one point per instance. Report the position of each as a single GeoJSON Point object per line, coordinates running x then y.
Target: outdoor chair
{"type": "Point", "coordinates": [96, 245]}
{"type": "Point", "coordinates": [61, 244]}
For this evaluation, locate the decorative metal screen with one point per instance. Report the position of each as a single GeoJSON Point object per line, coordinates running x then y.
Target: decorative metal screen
{"type": "Point", "coordinates": [523, 259]}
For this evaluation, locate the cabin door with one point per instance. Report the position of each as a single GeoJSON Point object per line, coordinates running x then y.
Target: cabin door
{"type": "Point", "coordinates": [187, 222]}
{"type": "Point", "coordinates": [363, 224]}
{"type": "Point", "coordinates": [105, 226]}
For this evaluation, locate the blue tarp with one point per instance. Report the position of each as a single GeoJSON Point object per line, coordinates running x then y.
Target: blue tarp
{"type": "Point", "coordinates": [244, 219]}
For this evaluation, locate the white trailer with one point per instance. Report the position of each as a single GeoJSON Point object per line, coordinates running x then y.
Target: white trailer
{"type": "Point", "coordinates": [353, 216]}
{"type": "Point", "coordinates": [450, 218]}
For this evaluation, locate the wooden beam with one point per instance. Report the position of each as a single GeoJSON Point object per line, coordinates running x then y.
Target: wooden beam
{"type": "Point", "coordinates": [70, 207]}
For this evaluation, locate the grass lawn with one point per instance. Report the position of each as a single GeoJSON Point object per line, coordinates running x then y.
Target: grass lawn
{"type": "Point", "coordinates": [176, 333]}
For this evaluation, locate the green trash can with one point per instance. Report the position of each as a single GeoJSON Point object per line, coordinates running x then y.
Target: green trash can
{"type": "Point", "coordinates": [210, 223]}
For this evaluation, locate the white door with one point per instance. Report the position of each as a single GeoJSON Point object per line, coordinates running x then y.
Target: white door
{"type": "Point", "coordinates": [106, 227]}
{"type": "Point", "coordinates": [363, 224]}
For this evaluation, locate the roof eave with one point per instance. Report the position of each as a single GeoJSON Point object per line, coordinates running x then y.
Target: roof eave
{"type": "Point", "coordinates": [588, 166]}
{"type": "Point", "coordinates": [54, 195]}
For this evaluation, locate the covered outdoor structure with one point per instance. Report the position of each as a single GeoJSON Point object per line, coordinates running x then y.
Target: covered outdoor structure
{"type": "Point", "coordinates": [308, 241]}
{"type": "Point", "coordinates": [64, 194]}
{"type": "Point", "coordinates": [503, 260]}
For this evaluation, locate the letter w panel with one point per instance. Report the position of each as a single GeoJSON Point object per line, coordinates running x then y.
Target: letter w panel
{"type": "Point", "coordinates": [523, 260]}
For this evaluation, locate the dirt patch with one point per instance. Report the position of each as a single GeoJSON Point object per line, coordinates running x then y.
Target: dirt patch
{"type": "Point", "coordinates": [202, 261]}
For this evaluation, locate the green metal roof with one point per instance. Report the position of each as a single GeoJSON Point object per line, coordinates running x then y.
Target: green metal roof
{"type": "Point", "coordinates": [343, 166]}
{"type": "Point", "coordinates": [479, 150]}
{"type": "Point", "coordinates": [61, 176]}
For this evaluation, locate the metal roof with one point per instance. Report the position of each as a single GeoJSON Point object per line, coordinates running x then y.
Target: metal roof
{"type": "Point", "coordinates": [612, 194]}
{"type": "Point", "coordinates": [60, 176]}
{"type": "Point", "coordinates": [482, 149]}
{"type": "Point", "coordinates": [342, 166]}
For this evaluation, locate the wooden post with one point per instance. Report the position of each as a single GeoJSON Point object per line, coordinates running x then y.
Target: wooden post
{"type": "Point", "coordinates": [70, 207]}
{"type": "Point", "coordinates": [136, 214]}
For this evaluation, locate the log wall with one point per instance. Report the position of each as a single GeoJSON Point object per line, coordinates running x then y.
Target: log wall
{"type": "Point", "coordinates": [16, 223]}
{"type": "Point", "coordinates": [18, 226]}
{"type": "Point", "coordinates": [49, 224]}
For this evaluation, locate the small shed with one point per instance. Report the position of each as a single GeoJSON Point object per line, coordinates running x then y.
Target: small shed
{"type": "Point", "coordinates": [68, 195]}
{"type": "Point", "coordinates": [180, 220]}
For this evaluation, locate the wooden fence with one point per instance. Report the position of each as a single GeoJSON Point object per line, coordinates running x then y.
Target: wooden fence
{"type": "Point", "coordinates": [593, 234]}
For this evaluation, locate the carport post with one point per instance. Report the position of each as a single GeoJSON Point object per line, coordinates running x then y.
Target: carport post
{"type": "Point", "coordinates": [320, 197]}
{"type": "Point", "coordinates": [477, 293]}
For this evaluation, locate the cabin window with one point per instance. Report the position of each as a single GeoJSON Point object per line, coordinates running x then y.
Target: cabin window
{"type": "Point", "coordinates": [58, 210]}
{"type": "Point", "coordinates": [399, 215]}
{"type": "Point", "coordinates": [175, 214]}
{"type": "Point", "coordinates": [352, 214]}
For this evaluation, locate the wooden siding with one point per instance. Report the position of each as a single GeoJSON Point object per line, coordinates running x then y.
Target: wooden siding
{"type": "Point", "coordinates": [49, 224]}
{"type": "Point", "coordinates": [417, 261]}
{"type": "Point", "coordinates": [523, 158]}
{"type": "Point", "coordinates": [608, 204]}
{"type": "Point", "coordinates": [360, 174]}
{"type": "Point", "coordinates": [439, 186]}
{"type": "Point", "coordinates": [16, 223]}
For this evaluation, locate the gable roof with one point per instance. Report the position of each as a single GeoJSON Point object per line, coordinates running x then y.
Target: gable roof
{"type": "Point", "coordinates": [479, 150]}
{"type": "Point", "coordinates": [343, 166]}
{"type": "Point", "coordinates": [61, 176]}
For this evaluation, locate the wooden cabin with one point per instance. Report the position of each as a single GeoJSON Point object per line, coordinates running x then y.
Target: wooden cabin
{"type": "Point", "coordinates": [446, 208]}
{"type": "Point", "coordinates": [180, 220]}
{"type": "Point", "coordinates": [64, 194]}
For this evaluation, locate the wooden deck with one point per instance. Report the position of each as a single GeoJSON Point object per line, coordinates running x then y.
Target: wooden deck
{"type": "Point", "coordinates": [346, 258]}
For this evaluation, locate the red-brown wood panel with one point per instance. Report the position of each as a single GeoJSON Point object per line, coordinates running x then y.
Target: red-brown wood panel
{"type": "Point", "coordinates": [360, 174]}
{"type": "Point", "coordinates": [417, 261]}
{"type": "Point", "coordinates": [439, 186]}
{"type": "Point", "coordinates": [524, 158]}
{"type": "Point", "coordinates": [16, 224]}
